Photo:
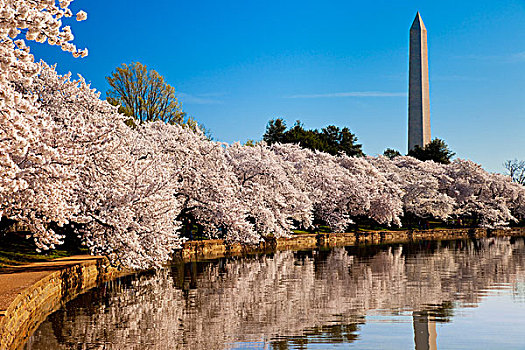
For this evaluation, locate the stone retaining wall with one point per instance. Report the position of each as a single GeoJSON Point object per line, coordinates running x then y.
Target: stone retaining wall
{"type": "Point", "coordinates": [34, 304]}
{"type": "Point", "coordinates": [211, 249]}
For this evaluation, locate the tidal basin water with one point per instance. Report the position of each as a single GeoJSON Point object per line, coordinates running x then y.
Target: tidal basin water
{"type": "Point", "coordinates": [467, 294]}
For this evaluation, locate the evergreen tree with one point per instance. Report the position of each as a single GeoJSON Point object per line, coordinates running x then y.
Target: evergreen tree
{"type": "Point", "coordinates": [275, 131]}
{"type": "Point", "coordinates": [437, 150]}
{"type": "Point", "coordinates": [331, 139]}
{"type": "Point", "coordinates": [391, 153]}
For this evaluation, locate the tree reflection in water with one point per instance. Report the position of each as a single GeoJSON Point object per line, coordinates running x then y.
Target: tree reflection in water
{"type": "Point", "coordinates": [286, 299]}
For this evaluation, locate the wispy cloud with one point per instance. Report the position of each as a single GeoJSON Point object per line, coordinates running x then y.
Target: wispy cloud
{"type": "Point", "coordinates": [200, 99]}
{"type": "Point", "coordinates": [351, 94]}
{"type": "Point", "coordinates": [518, 57]}
{"type": "Point", "coordinates": [513, 57]}
{"type": "Point", "coordinates": [455, 78]}
{"type": "Point", "coordinates": [480, 57]}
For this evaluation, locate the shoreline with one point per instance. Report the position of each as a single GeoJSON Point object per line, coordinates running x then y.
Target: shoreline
{"type": "Point", "coordinates": [30, 293]}
{"type": "Point", "coordinates": [218, 248]}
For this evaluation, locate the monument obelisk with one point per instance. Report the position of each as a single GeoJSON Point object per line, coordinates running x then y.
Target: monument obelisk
{"type": "Point", "coordinates": [418, 94]}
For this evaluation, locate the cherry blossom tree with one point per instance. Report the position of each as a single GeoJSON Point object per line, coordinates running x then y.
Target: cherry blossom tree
{"type": "Point", "coordinates": [339, 192]}
{"type": "Point", "coordinates": [127, 203]}
{"type": "Point", "coordinates": [382, 199]}
{"type": "Point", "coordinates": [491, 199]}
{"type": "Point", "coordinates": [33, 183]}
{"type": "Point", "coordinates": [204, 182]}
{"type": "Point", "coordinates": [421, 185]}
{"type": "Point", "coordinates": [276, 199]}
{"type": "Point", "coordinates": [459, 189]}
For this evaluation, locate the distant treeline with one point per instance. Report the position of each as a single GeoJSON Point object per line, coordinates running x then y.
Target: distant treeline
{"type": "Point", "coordinates": [334, 140]}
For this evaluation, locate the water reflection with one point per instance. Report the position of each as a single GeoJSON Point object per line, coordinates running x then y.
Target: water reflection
{"type": "Point", "coordinates": [288, 299]}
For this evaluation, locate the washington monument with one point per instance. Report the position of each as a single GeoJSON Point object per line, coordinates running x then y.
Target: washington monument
{"type": "Point", "coordinates": [418, 95]}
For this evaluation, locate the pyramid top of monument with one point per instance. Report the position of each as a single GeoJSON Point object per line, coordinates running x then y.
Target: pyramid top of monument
{"type": "Point", "coordinates": [418, 23]}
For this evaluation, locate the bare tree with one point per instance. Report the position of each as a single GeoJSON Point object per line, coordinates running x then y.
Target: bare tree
{"type": "Point", "coordinates": [516, 170]}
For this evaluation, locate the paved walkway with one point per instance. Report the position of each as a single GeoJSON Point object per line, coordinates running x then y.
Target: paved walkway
{"type": "Point", "coordinates": [14, 280]}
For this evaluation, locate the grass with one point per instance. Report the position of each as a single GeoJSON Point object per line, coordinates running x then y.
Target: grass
{"type": "Point", "coordinates": [15, 249]}
{"type": "Point", "coordinates": [371, 226]}
{"type": "Point", "coordinates": [319, 229]}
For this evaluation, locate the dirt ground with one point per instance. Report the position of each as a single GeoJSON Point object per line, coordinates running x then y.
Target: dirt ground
{"type": "Point", "coordinates": [15, 279]}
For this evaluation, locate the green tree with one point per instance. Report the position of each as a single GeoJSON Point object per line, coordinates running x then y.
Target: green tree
{"type": "Point", "coordinates": [144, 96]}
{"type": "Point", "coordinates": [437, 150]}
{"type": "Point", "coordinates": [331, 139]}
{"type": "Point", "coordinates": [305, 138]}
{"type": "Point", "coordinates": [275, 131]}
{"type": "Point", "coordinates": [391, 153]}
{"type": "Point", "coordinates": [340, 140]}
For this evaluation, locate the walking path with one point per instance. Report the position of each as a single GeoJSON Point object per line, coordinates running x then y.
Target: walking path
{"type": "Point", "coordinates": [15, 279]}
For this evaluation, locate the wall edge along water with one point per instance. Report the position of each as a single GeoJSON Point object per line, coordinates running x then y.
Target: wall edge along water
{"type": "Point", "coordinates": [30, 308]}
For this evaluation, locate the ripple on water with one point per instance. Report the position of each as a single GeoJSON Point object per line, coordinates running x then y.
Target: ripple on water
{"type": "Point", "coordinates": [380, 297]}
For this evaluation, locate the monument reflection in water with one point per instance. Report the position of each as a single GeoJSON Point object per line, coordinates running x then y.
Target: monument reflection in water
{"type": "Point", "coordinates": [343, 298]}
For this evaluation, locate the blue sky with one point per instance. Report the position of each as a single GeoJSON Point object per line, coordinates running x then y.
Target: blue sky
{"type": "Point", "coordinates": [237, 64]}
